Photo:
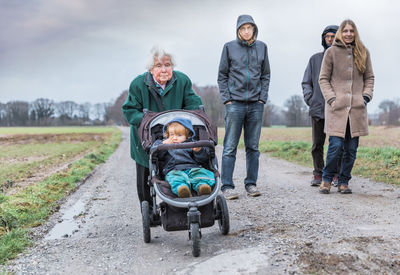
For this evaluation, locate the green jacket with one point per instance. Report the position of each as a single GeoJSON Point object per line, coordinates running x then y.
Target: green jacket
{"type": "Point", "coordinates": [143, 94]}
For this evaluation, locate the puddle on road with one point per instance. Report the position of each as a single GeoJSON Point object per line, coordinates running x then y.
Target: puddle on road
{"type": "Point", "coordinates": [68, 225]}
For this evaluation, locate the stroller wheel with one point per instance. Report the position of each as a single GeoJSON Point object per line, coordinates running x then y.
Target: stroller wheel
{"type": "Point", "coordinates": [222, 214]}
{"type": "Point", "coordinates": [146, 221]}
{"type": "Point", "coordinates": [195, 238]}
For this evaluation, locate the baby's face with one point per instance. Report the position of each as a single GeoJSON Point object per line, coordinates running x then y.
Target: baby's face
{"type": "Point", "coordinates": [176, 137]}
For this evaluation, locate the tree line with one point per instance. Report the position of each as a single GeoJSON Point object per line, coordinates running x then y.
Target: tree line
{"type": "Point", "coordinates": [46, 112]}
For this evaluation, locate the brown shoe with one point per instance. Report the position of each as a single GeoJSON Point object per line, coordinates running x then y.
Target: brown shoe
{"type": "Point", "coordinates": [325, 187]}
{"type": "Point", "coordinates": [344, 189]}
{"type": "Point", "coordinates": [184, 192]}
{"type": "Point", "coordinates": [204, 189]}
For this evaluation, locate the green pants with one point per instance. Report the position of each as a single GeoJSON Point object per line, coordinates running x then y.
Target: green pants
{"type": "Point", "coordinates": [192, 178]}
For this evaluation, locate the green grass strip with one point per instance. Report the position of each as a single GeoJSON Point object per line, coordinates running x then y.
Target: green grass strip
{"type": "Point", "coordinates": [379, 164]}
{"type": "Point", "coordinates": [31, 206]}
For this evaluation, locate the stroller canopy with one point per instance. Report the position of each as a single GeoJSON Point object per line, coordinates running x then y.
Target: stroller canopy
{"type": "Point", "coordinates": [205, 129]}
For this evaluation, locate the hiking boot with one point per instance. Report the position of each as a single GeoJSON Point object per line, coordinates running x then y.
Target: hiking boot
{"type": "Point", "coordinates": [204, 189]}
{"type": "Point", "coordinates": [325, 187]}
{"type": "Point", "coordinates": [316, 181]}
{"type": "Point", "coordinates": [344, 189]}
{"type": "Point", "coordinates": [335, 180]}
{"type": "Point", "coordinates": [184, 192]}
{"type": "Point", "coordinates": [230, 194]}
{"type": "Point", "coordinates": [252, 191]}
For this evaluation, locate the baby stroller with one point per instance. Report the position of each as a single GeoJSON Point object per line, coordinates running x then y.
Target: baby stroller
{"type": "Point", "coordinates": [175, 213]}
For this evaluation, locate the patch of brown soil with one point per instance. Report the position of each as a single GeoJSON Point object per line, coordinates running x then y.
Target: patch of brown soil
{"type": "Point", "coordinates": [359, 261]}
{"type": "Point", "coordinates": [41, 174]}
{"type": "Point", "coordinates": [52, 138]}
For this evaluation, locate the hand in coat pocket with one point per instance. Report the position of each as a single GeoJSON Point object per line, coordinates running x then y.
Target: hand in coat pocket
{"type": "Point", "coordinates": [333, 103]}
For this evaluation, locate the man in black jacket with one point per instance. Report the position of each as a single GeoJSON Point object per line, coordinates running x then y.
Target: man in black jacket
{"type": "Point", "coordinates": [243, 80]}
{"type": "Point", "coordinates": [314, 99]}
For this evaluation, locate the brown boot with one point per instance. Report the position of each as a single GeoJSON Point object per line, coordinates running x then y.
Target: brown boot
{"type": "Point", "coordinates": [204, 189]}
{"type": "Point", "coordinates": [325, 187]}
{"type": "Point", "coordinates": [344, 189]}
{"type": "Point", "coordinates": [184, 192]}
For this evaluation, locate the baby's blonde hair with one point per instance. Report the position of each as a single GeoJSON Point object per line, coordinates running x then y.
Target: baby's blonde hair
{"type": "Point", "coordinates": [179, 129]}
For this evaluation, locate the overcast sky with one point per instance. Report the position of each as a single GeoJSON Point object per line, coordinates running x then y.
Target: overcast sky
{"type": "Point", "coordinates": [89, 51]}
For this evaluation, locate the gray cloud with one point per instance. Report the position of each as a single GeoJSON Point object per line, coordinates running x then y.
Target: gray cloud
{"type": "Point", "coordinates": [83, 51]}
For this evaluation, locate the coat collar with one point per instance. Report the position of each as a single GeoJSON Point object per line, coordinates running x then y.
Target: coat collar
{"type": "Point", "coordinates": [339, 43]}
{"type": "Point", "coordinates": [149, 81]}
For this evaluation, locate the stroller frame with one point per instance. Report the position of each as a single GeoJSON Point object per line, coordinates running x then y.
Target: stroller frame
{"type": "Point", "coordinates": [192, 204]}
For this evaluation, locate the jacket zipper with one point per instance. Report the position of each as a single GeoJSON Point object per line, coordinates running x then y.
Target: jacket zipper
{"type": "Point", "coordinates": [248, 76]}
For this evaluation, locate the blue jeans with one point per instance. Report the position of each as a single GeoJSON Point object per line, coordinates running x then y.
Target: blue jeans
{"type": "Point", "coordinates": [248, 116]}
{"type": "Point", "coordinates": [349, 146]}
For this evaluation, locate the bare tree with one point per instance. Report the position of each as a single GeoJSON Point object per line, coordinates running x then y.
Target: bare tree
{"type": "Point", "coordinates": [43, 110]}
{"type": "Point", "coordinates": [66, 111]}
{"type": "Point", "coordinates": [212, 103]}
{"type": "Point", "coordinates": [273, 115]}
{"type": "Point", "coordinates": [98, 111]}
{"type": "Point", "coordinates": [113, 112]}
{"type": "Point", "coordinates": [18, 113]}
{"type": "Point", "coordinates": [390, 114]}
{"type": "Point", "coordinates": [296, 113]}
{"type": "Point", "coordinates": [84, 112]}
{"type": "Point", "coordinates": [3, 114]}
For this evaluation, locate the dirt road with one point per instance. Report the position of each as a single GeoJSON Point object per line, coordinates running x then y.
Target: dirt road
{"type": "Point", "coordinates": [290, 229]}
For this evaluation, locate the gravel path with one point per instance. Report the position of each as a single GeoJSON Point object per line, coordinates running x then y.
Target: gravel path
{"type": "Point", "coordinates": [290, 229]}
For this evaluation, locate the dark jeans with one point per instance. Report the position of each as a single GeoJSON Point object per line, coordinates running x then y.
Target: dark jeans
{"type": "Point", "coordinates": [349, 146]}
{"type": "Point", "coordinates": [248, 116]}
{"type": "Point", "coordinates": [143, 189]}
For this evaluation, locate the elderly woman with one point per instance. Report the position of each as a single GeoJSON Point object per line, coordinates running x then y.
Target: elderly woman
{"type": "Point", "coordinates": [159, 89]}
{"type": "Point", "coordinates": [347, 83]}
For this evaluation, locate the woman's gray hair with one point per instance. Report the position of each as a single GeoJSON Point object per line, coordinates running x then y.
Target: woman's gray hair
{"type": "Point", "coordinates": [156, 54]}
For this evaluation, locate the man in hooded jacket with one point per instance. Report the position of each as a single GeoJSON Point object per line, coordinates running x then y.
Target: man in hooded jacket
{"type": "Point", "coordinates": [243, 80]}
{"type": "Point", "coordinates": [314, 99]}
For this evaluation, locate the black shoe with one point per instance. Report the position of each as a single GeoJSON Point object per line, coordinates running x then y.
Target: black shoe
{"type": "Point", "coordinates": [316, 180]}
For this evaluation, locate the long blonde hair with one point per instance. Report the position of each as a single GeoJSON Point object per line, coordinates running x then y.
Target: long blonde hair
{"type": "Point", "coordinates": [360, 51]}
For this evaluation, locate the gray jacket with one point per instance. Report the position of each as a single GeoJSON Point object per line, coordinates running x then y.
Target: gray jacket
{"type": "Point", "coordinates": [311, 90]}
{"type": "Point", "coordinates": [244, 71]}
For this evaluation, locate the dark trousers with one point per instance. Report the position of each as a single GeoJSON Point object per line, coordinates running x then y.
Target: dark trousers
{"type": "Point", "coordinates": [318, 140]}
{"type": "Point", "coordinates": [143, 189]}
{"type": "Point", "coordinates": [317, 150]}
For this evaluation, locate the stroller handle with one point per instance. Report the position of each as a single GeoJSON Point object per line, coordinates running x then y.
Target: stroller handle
{"type": "Point", "coordinates": [166, 147]}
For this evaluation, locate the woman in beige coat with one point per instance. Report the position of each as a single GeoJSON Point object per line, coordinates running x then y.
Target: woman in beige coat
{"type": "Point", "coordinates": [347, 82]}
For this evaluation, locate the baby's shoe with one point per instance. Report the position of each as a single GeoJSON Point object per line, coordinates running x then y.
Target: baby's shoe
{"type": "Point", "coordinates": [184, 192]}
{"type": "Point", "coordinates": [204, 189]}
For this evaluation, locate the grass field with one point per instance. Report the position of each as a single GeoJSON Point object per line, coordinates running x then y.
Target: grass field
{"type": "Point", "coordinates": [378, 155]}
{"type": "Point", "coordinates": [38, 167]}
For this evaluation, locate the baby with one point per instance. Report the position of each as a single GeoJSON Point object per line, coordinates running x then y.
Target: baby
{"type": "Point", "coordinates": [182, 169]}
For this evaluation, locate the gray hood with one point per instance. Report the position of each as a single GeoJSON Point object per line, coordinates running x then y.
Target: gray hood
{"type": "Point", "coordinates": [244, 19]}
{"type": "Point", "coordinates": [330, 28]}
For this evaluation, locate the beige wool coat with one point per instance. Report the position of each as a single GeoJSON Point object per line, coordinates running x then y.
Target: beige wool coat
{"type": "Point", "coordinates": [343, 86]}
